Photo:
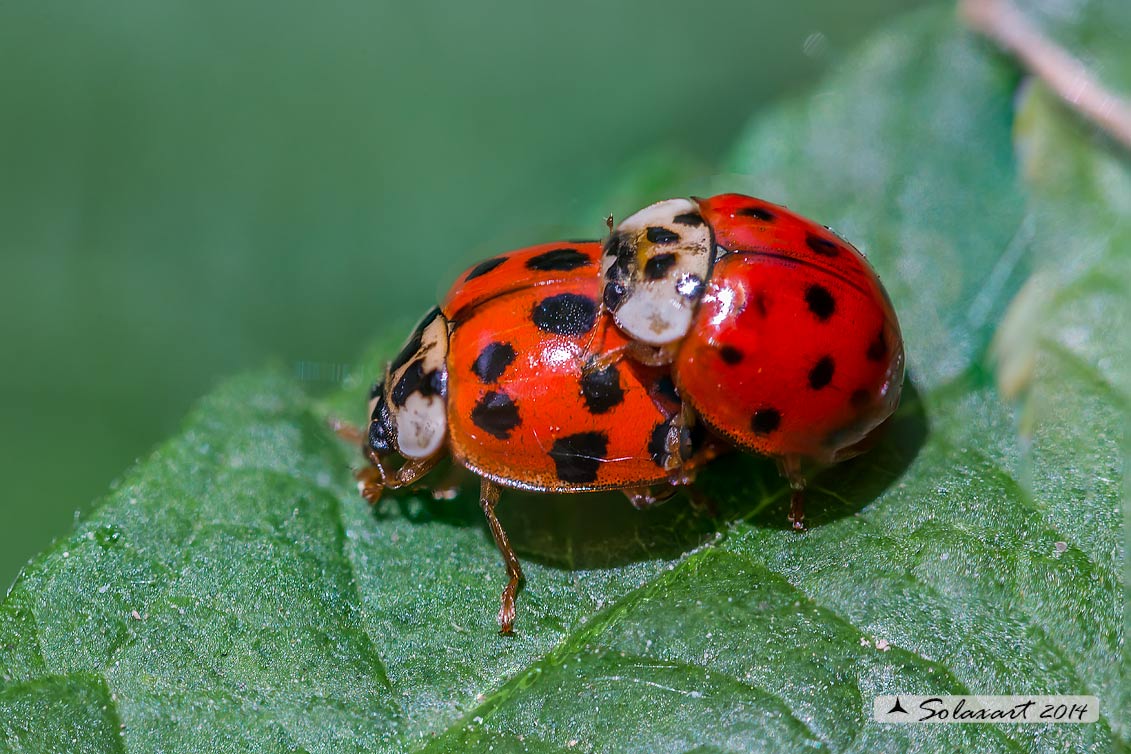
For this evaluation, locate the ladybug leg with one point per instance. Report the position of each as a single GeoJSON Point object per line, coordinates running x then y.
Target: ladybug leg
{"type": "Point", "coordinates": [797, 507]}
{"type": "Point", "coordinates": [488, 499]}
{"type": "Point", "coordinates": [346, 431]}
{"type": "Point", "coordinates": [701, 502]}
{"type": "Point", "coordinates": [370, 483]}
{"type": "Point", "coordinates": [646, 497]}
{"type": "Point", "coordinates": [596, 341]}
{"type": "Point", "coordinates": [601, 361]}
{"type": "Point", "coordinates": [447, 487]}
{"type": "Point", "coordinates": [375, 478]}
{"type": "Point", "coordinates": [411, 471]}
{"type": "Point", "coordinates": [790, 468]}
{"type": "Point", "coordinates": [678, 454]}
{"type": "Point", "coordinates": [651, 356]}
{"type": "Point", "coordinates": [596, 358]}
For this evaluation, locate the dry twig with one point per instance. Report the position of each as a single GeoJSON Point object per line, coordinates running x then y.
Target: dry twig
{"type": "Point", "coordinates": [1002, 22]}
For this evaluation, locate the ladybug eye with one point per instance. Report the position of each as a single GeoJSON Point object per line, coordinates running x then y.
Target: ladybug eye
{"type": "Point", "coordinates": [614, 295]}
{"type": "Point", "coordinates": [655, 266]}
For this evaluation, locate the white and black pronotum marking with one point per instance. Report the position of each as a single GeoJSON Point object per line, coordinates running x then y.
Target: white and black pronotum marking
{"type": "Point", "coordinates": [655, 265]}
{"type": "Point", "coordinates": [408, 410]}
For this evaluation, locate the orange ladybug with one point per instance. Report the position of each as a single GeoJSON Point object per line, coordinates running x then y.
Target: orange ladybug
{"type": "Point", "coordinates": [496, 378]}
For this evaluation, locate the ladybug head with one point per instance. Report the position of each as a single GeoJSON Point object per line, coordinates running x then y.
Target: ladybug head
{"type": "Point", "coordinates": [656, 264]}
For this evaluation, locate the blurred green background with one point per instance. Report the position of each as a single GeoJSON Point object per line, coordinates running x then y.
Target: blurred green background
{"type": "Point", "coordinates": [190, 189]}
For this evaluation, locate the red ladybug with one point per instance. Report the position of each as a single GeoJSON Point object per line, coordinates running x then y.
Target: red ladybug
{"type": "Point", "coordinates": [497, 378]}
{"type": "Point", "coordinates": [579, 367]}
{"type": "Point", "coordinates": [524, 410]}
{"type": "Point", "coordinates": [793, 350]}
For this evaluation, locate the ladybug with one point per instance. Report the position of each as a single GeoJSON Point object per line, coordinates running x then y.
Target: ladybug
{"type": "Point", "coordinates": [782, 340]}
{"type": "Point", "coordinates": [697, 325]}
{"type": "Point", "coordinates": [499, 378]}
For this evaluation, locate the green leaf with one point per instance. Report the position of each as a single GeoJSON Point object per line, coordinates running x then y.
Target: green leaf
{"type": "Point", "coordinates": [234, 594]}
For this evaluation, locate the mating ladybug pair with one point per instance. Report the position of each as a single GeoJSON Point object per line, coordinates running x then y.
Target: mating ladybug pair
{"type": "Point", "coordinates": [697, 326]}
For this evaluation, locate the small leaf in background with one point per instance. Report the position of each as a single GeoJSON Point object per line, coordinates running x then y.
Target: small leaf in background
{"type": "Point", "coordinates": [234, 594]}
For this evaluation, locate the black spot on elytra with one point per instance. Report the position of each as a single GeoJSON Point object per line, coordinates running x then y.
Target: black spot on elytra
{"type": "Point", "coordinates": [658, 266]}
{"type": "Point", "coordinates": [484, 267]}
{"type": "Point", "coordinates": [822, 246]}
{"type": "Point", "coordinates": [820, 301]}
{"type": "Point", "coordinates": [411, 348]}
{"type": "Point", "coordinates": [492, 361]}
{"type": "Point", "coordinates": [578, 456]}
{"type": "Point", "coordinates": [822, 372]}
{"type": "Point", "coordinates": [658, 234]}
{"type": "Point", "coordinates": [758, 213]}
{"type": "Point", "coordinates": [559, 260]}
{"type": "Point", "coordinates": [878, 348]}
{"type": "Point", "coordinates": [496, 414]}
{"type": "Point", "coordinates": [665, 388]}
{"type": "Point", "coordinates": [614, 295]}
{"type": "Point", "coordinates": [860, 398]}
{"type": "Point", "coordinates": [566, 314]}
{"type": "Point", "coordinates": [730, 355]}
{"type": "Point", "coordinates": [765, 421]}
{"type": "Point", "coordinates": [761, 303]}
{"type": "Point", "coordinates": [602, 390]}
{"type": "Point", "coordinates": [689, 218]}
